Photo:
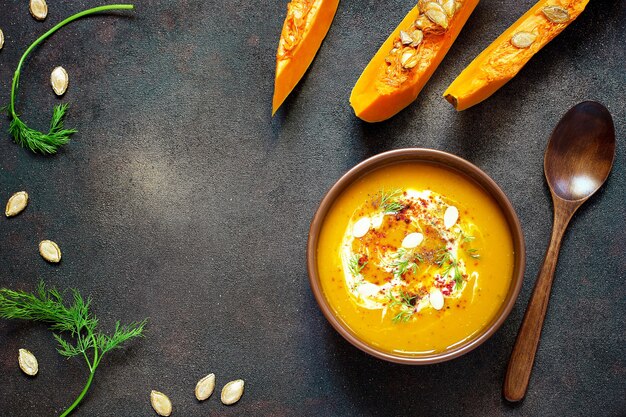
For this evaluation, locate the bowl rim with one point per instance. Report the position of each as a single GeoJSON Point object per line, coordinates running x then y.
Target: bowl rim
{"type": "Point", "coordinates": [469, 171]}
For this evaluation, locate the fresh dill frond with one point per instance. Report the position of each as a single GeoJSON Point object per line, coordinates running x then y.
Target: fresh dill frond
{"type": "Point", "coordinates": [405, 301]}
{"type": "Point", "coordinates": [73, 319]}
{"type": "Point", "coordinates": [389, 201]}
{"type": "Point", "coordinates": [402, 261]}
{"type": "Point", "coordinates": [354, 264]}
{"type": "Point", "coordinates": [57, 136]}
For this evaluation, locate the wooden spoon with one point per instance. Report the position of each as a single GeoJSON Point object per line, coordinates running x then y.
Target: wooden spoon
{"type": "Point", "coordinates": [577, 162]}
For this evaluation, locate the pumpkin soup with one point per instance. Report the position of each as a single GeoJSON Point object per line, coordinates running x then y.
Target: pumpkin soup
{"type": "Point", "coordinates": [414, 258]}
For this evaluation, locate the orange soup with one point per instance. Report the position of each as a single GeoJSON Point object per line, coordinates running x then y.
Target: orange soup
{"type": "Point", "coordinates": [414, 258]}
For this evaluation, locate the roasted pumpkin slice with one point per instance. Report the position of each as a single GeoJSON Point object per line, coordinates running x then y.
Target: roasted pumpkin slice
{"type": "Point", "coordinates": [305, 28]}
{"type": "Point", "coordinates": [506, 56]}
{"type": "Point", "coordinates": [406, 60]}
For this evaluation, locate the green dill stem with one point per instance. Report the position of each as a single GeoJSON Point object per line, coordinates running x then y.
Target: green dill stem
{"type": "Point", "coordinates": [80, 397]}
{"type": "Point", "coordinates": [16, 76]}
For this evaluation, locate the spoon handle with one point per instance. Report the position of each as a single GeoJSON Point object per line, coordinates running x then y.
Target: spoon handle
{"type": "Point", "coordinates": [523, 355]}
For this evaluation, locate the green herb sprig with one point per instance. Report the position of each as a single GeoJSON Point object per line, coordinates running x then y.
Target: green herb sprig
{"type": "Point", "coordinates": [355, 266]}
{"type": "Point", "coordinates": [48, 306]}
{"type": "Point", "coordinates": [405, 301]}
{"type": "Point", "coordinates": [389, 201]}
{"type": "Point", "coordinates": [36, 141]}
{"type": "Point", "coordinates": [449, 263]}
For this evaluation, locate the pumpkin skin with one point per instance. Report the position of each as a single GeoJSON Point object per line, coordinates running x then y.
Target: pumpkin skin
{"type": "Point", "coordinates": [300, 39]}
{"type": "Point", "coordinates": [501, 61]}
{"type": "Point", "coordinates": [375, 101]}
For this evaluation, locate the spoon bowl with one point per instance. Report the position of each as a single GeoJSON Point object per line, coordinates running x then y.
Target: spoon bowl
{"type": "Point", "coordinates": [578, 160]}
{"type": "Point", "coordinates": [580, 152]}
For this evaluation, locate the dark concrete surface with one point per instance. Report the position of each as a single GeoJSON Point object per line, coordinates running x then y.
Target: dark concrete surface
{"type": "Point", "coordinates": [181, 200]}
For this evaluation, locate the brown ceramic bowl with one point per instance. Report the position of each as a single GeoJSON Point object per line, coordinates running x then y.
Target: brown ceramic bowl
{"type": "Point", "coordinates": [472, 173]}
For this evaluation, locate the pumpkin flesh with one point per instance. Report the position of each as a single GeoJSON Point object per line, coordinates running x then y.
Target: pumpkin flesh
{"type": "Point", "coordinates": [375, 97]}
{"type": "Point", "coordinates": [306, 25]}
{"type": "Point", "coordinates": [501, 60]}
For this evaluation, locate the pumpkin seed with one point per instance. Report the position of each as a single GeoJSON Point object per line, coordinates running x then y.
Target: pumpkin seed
{"type": "Point", "coordinates": [50, 251]}
{"type": "Point", "coordinates": [436, 298]}
{"type": "Point", "coordinates": [1, 39]}
{"type": "Point", "coordinates": [449, 6]}
{"type": "Point", "coordinates": [523, 40]}
{"type": "Point", "coordinates": [232, 392]}
{"type": "Point", "coordinates": [431, 5]}
{"type": "Point", "coordinates": [411, 240]}
{"type": "Point", "coordinates": [361, 227]}
{"type": "Point", "coordinates": [450, 217]}
{"type": "Point", "coordinates": [556, 14]}
{"type": "Point", "coordinates": [409, 59]}
{"type": "Point", "coordinates": [418, 37]}
{"type": "Point", "coordinates": [16, 204]}
{"type": "Point", "coordinates": [28, 362]}
{"type": "Point", "coordinates": [38, 9]}
{"type": "Point", "coordinates": [438, 17]}
{"type": "Point", "coordinates": [205, 387]}
{"type": "Point", "coordinates": [59, 80]}
{"type": "Point", "coordinates": [160, 403]}
{"type": "Point", "coordinates": [405, 38]}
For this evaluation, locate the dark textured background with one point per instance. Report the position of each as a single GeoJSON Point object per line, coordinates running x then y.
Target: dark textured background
{"type": "Point", "coordinates": [180, 199]}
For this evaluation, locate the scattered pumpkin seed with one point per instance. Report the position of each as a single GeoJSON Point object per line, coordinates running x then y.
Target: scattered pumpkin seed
{"type": "Point", "coordinates": [16, 204]}
{"type": "Point", "coordinates": [28, 362]}
{"type": "Point", "coordinates": [1, 39]}
{"type": "Point", "coordinates": [205, 387]}
{"type": "Point", "coordinates": [438, 17]}
{"type": "Point", "coordinates": [556, 14]}
{"type": "Point", "coordinates": [59, 80]}
{"type": "Point", "coordinates": [38, 9]}
{"type": "Point", "coordinates": [50, 251]}
{"type": "Point", "coordinates": [405, 38]}
{"type": "Point", "coordinates": [232, 392]}
{"type": "Point", "coordinates": [523, 39]}
{"type": "Point", "coordinates": [161, 403]}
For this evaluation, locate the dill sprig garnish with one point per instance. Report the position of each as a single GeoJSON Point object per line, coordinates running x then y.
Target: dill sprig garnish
{"type": "Point", "coordinates": [405, 301]}
{"type": "Point", "coordinates": [449, 263]}
{"type": "Point", "coordinates": [354, 264]}
{"type": "Point", "coordinates": [402, 261]}
{"type": "Point", "coordinates": [48, 306]}
{"type": "Point", "coordinates": [389, 201]}
{"type": "Point", "coordinates": [36, 141]}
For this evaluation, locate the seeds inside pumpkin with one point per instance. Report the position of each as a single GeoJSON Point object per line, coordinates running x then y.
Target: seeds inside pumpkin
{"type": "Point", "coordinates": [556, 14]}
{"type": "Point", "coordinates": [16, 204]}
{"type": "Point", "coordinates": [38, 9]}
{"type": "Point", "coordinates": [232, 392]}
{"type": "Point", "coordinates": [205, 387]}
{"type": "Point", "coordinates": [523, 40]}
{"type": "Point", "coordinates": [28, 362]}
{"type": "Point", "coordinates": [50, 251]}
{"type": "Point", "coordinates": [438, 17]}
{"type": "Point", "coordinates": [161, 403]}
{"type": "Point", "coordinates": [59, 80]}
